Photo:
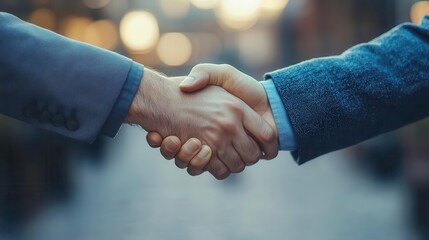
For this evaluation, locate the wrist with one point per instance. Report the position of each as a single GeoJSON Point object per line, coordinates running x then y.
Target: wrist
{"type": "Point", "coordinates": [144, 99]}
{"type": "Point", "coordinates": [135, 109]}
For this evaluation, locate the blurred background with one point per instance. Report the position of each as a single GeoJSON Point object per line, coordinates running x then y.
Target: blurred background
{"type": "Point", "coordinates": [55, 188]}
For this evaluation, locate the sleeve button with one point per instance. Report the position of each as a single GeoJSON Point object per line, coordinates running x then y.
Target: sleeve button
{"type": "Point", "coordinates": [72, 124]}
{"type": "Point", "coordinates": [58, 120]}
{"type": "Point", "coordinates": [45, 116]}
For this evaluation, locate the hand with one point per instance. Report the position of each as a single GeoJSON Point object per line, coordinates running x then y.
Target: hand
{"type": "Point", "coordinates": [215, 117]}
{"type": "Point", "coordinates": [235, 82]}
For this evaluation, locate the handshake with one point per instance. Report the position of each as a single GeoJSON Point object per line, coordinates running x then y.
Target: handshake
{"type": "Point", "coordinates": [220, 115]}
{"type": "Point", "coordinates": [217, 118]}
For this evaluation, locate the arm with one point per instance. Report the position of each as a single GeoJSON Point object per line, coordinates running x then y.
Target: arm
{"type": "Point", "coordinates": [79, 91]}
{"type": "Point", "coordinates": [339, 101]}
{"type": "Point", "coordinates": [62, 85]}
{"type": "Point", "coordinates": [370, 89]}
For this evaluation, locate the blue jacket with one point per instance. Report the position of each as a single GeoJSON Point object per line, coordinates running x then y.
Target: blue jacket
{"type": "Point", "coordinates": [373, 88]}
{"type": "Point", "coordinates": [61, 85]}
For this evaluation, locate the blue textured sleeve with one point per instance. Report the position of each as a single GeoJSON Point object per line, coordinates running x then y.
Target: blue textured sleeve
{"type": "Point", "coordinates": [370, 89]}
{"type": "Point", "coordinates": [122, 105]}
{"type": "Point", "coordinates": [287, 140]}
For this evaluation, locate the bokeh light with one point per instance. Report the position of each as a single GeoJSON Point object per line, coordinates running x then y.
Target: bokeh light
{"type": "Point", "coordinates": [102, 33]}
{"type": "Point", "coordinates": [174, 49]}
{"type": "Point", "coordinates": [206, 46]}
{"type": "Point", "coordinates": [263, 54]}
{"type": "Point", "coordinates": [75, 27]}
{"type": "Point", "coordinates": [175, 8]}
{"type": "Point", "coordinates": [273, 8]}
{"type": "Point", "coordinates": [205, 4]}
{"type": "Point", "coordinates": [419, 10]}
{"type": "Point", "coordinates": [238, 14]}
{"type": "Point", "coordinates": [139, 31]}
{"type": "Point", "coordinates": [44, 18]}
{"type": "Point", "coordinates": [95, 4]}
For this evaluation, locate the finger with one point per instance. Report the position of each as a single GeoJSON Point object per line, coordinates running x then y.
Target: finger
{"type": "Point", "coordinates": [231, 159]}
{"type": "Point", "coordinates": [247, 148]}
{"type": "Point", "coordinates": [261, 131]}
{"type": "Point", "coordinates": [235, 82]}
{"type": "Point", "coordinates": [154, 139]}
{"type": "Point", "coordinates": [217, 168]}
{"type": "Point", "coordinates": [190, 149]}
{"type": "Point", "coordinates": [195, 81]}
{"type": "Point", "coordinates": [199, 162]}
{"type": "Point", "coordinates": [170, 147]}
{"type": "Point", "coordinates": [207, 74]}
{"type": "Point", "coordinates": [194, 172]}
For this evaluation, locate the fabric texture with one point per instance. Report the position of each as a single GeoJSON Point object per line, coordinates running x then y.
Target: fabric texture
{"type": "Point", "coordinates": [123, 104]}
{"type": "Point", "coordinates": [373, 88]}
{"type": "Point", "coordinates": [286, 137]}
{"type": "Point", "coordinates": [59, 84]}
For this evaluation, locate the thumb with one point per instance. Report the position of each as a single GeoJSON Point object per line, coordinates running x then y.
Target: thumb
{"type": "Point", "coordinates": [235, 82]}
{"type": "Point", "coordinates": [197, 79]}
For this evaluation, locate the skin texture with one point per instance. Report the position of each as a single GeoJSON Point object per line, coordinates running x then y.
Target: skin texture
{"type": "Point", "coordinates": [227, 126]}
{"type": "Point", "coordinates": [235, 82]}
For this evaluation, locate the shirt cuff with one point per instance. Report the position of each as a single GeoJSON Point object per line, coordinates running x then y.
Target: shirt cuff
{"type": "Point", "coordinates": [287, 140]}
{"type": "Point", "coordinates": [123, 104]}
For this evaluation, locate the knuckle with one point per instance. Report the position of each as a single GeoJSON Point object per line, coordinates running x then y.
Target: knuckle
{"type": "Point", "coordinates": [223, 175]}
{"type": "Point", "coordinates": [270, 156]}
{"type": "Point", "coordinates": [166, 155]}
{"type": "Point", "coordinates": [194, 172]}
{"type": "Point", "coordinates": [225, 124]}
{"type": "Point", "coordinates": [198, 67]}
{"type": "Point", "coordinates": [268, 135]}
{"type": "Point", "coordinates": [227, 68]}
{"type": "Point", "coordinates": [254, 157]}
{"type": "Point", "coordinates": [183, 158]}
{"type": "Point", "coordinates": [218, 170]}
{"type": "Point", "coordinates": [216, 140]}
{"type": "Point", "coordinates": [229, 126]}
{"type": "Point", "coordinates": [238, 167]}
{"type": "Point", "coordinates": [201, 66]}
{"type": "Point", "coordinates": [250, 151]}
{"type": "Point", "coordinates": [180, 163]}
{"type": "Point", "coordinates": [234, 106]}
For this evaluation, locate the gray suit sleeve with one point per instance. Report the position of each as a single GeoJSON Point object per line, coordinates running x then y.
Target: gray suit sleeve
{"type": "Point", "coordinates": [371, 89]}
{"type": "Point", "coordinates": [56, 83]}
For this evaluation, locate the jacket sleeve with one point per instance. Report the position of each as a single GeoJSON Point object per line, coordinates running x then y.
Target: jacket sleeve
{"type": "Point", "coordinates": [56, 83]}
{"type": "Point", "coordinates": [373, 88]}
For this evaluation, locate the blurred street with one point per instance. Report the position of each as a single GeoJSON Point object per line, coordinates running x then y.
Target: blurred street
{"type": "Point", "coordinates": [54, 188]}
{"type": "Point", "coordinates": [138, 195]}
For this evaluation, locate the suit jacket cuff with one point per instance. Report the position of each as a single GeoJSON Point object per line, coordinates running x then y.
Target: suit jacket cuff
{"type": "Point", "coordinates": [287, 140]}
{"type": "Point", "coordinates": [123, 103]}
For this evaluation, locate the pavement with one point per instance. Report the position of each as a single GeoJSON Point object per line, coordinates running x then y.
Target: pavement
{"type": "Point", "coordinates": [136, 194]}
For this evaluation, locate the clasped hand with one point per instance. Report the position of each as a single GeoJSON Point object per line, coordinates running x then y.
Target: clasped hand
{"type": "Point", "coordinates": [224, 127]}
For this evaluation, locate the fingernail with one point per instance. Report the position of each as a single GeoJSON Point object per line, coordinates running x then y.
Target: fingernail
{"type": "Point", "coordinates": [205, 152]}
{"type": "Point", "coordinates": [188, 81]}
{"type": "Point", "coordinates": [172, 146]}
{"type": "Point", "coordinates": [193, 147]}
